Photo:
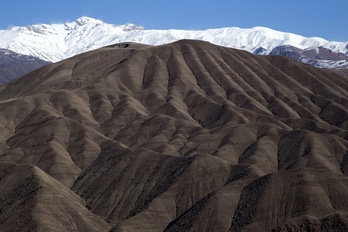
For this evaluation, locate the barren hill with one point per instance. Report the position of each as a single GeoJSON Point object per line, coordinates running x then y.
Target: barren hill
{"type": "Point", "coordinates": [187, 136]}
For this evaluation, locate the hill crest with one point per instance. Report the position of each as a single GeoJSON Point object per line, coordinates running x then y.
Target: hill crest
{"type": "Point", "coordinates": [177, 137]}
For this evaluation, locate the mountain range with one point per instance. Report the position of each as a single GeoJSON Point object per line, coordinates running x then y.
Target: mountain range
{"type": "Point", "coordinates": [55, 42]}
{"type": "Point", "coordinates": [14, 65]}
{"type": "Point", "coordinates": [186, 136]}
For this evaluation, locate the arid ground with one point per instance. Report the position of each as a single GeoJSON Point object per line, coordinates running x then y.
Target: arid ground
{"type": "Point", "coordinates": [187, 136]}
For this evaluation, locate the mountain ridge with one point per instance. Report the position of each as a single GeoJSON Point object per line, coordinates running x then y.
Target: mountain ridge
{"type": "Point", "coordinates": [186, 136]}
{"type": "Point", "coordinates": [14, 65]}
{"type": "Point", "coordinates": [319, 57]}
{"type": "Point", "coordinates": [56, 42]}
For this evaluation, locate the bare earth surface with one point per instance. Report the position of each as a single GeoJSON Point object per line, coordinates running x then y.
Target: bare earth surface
{"type": "Point", "coordinates": [187, 136]}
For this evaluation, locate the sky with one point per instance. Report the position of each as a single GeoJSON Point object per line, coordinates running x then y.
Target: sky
{"type": "Point", "coordinates": [310, 18]}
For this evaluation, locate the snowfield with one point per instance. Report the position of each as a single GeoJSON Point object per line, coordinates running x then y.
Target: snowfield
{"type": "Point", "coordinates": [56, 42]}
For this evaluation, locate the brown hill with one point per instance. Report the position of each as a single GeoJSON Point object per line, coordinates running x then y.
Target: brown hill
{"type": "Point", "coordinates": [34, 201]}
{"type": "Point", "coordinates": [187, 136]}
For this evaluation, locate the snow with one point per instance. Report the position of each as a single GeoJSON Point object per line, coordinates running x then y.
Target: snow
{"type": "Point", "coordinates": [55, 42]}
{"type": "Point", "coordinates": [342, 64]}
{"type": "Point", "coordinates": [7, 54]}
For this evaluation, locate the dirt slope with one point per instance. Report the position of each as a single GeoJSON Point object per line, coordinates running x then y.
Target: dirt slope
{"type": "Point", "coordinates": [187, 136]}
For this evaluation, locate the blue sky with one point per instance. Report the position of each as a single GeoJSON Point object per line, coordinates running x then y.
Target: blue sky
{"type": "Point", "coordinates": [327, 19]}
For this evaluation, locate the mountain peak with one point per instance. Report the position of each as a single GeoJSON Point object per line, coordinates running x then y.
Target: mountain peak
{"type": "Point", "coordinates": [131, 26]}
{"type": "Point", "coordinates": [92, 21]}
{"type": "Point", "coordinates": [84, 20]}
{"type": "Point", "coordinates": [55, 42]}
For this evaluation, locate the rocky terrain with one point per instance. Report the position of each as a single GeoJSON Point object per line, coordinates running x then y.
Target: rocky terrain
{"type": "Point", "coordinates": [319, 57]}
{"type": "Point", "coordinates": [56, 42]}
{"type": "Point", "coordinates": [14, 65]}
{"type": "Point", "coordinates": [187, 136]}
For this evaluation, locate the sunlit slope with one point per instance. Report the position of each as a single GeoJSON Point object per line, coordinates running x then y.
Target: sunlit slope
{"type": "Point", "coordinates": [185, 136]}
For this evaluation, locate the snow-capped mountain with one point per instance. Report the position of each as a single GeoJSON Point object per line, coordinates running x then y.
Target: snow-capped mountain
{"type": "Point", "coordinates": [55, 42]}
{"type": "Point", "coordinates": [320, 57]}
{"type": "Point", "coordinates": [14, 65]}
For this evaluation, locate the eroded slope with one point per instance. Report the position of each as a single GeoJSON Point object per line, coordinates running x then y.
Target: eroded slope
{"type": "Point", "coordinates": [186, 136]}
